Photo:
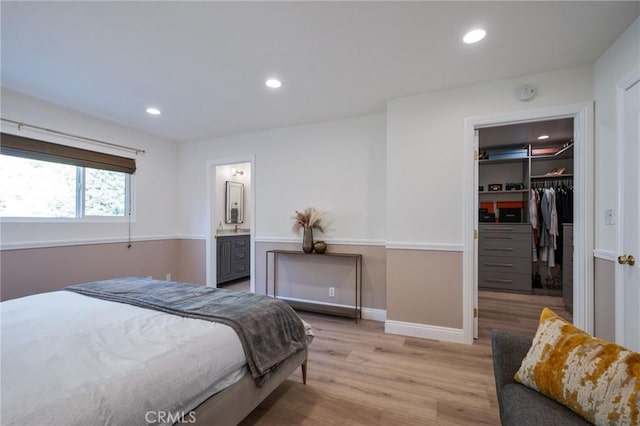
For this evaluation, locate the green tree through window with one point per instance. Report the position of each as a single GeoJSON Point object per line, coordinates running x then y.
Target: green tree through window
{"type": "Point", "coordinates": [40, 189]}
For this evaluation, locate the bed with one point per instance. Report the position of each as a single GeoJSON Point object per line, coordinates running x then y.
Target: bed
{"type": "Point", "coordinates": [137, 351]}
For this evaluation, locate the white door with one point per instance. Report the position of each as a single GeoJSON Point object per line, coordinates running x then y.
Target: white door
{"type": "Point", "coordinates": [628, 268]}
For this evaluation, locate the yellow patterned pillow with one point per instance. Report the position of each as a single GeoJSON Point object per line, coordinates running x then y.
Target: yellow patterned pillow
{"type": "Point", "coordinates": [597, 379]}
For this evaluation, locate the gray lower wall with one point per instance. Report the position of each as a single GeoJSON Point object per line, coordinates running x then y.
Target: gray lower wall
{"type": "Point", "coordinates": [29, 271]}
{"type": "Point", "coordinates": [427, 284]}
{"type": "Point", "coordinates": [427, 287]}
{"type": "Point", "coordinates": [192, 263]}
{"type": "Point", "coordinates": [309, 277]}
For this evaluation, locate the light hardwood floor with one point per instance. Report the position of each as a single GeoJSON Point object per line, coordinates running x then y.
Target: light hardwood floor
{"type": "Point", "coordinates": [358, 375]}
{"type": "Point", "coordinates": [242, 284]}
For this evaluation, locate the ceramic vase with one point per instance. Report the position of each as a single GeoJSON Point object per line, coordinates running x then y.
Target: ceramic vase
{"type": "Point", "coordinates": [307, 240]}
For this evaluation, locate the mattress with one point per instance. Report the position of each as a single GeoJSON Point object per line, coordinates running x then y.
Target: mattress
{"type": "Point", "coordinates": [76, 360]}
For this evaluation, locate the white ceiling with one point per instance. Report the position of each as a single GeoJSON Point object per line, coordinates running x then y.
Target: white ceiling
{"type": "Point", "coordinates": [518, 135]}
{"type": "Point", "coordinates": [204, 63]}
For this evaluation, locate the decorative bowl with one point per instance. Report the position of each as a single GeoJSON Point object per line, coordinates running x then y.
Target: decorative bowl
{"type": "Point", "coordinates": [320, 247]}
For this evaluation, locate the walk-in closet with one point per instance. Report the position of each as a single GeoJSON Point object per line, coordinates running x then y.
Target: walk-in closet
{"type": "Point", "coordinates": [525, 197]}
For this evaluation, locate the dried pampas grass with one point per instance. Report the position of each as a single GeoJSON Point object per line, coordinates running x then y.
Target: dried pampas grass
{"type": "Point", "coordinates": [308, 218]}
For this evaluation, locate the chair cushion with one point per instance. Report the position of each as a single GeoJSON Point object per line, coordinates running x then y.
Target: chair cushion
{"type": "Point", "coordinates": [521, 406]}
{"type": "Point", "coordinates": [597, 379]}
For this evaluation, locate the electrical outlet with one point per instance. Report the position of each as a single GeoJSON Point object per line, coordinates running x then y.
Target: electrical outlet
{"type": "Point", "coordinates": [149, 277]}
{"type": "Point", "coordinates": [608, 217]}
{"type": "Point", "coordinates": [332, 292]}
{"type": "Point", "coordinates": [168, 277]}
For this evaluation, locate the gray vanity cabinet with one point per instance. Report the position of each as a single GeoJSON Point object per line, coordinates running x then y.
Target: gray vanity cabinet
{"type": "Point", "coordinates": [232, 257]}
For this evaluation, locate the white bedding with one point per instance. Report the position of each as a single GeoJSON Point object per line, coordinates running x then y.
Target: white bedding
{"type": "Point", "coordinates": [125, 365]}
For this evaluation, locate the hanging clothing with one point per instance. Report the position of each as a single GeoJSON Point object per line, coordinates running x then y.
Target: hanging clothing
{"type": "Point", "coordinates": [533, 218]}
{"type": "Point", "coordinates": [549, 227]}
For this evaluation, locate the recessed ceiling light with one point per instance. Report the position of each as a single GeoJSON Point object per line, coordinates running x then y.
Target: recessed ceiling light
{"type": "Point", "coordinates": [543, 137]}
{"type": "Point", "coordinates": [273, 83]}
{"type": "Point", "coordinates": [474, 36]}
{"type": "Point", "coordinates": [153, 111]}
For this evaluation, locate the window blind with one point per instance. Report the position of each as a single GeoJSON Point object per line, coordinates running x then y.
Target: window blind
{"type": "Point", "coordinates": [19, 146]}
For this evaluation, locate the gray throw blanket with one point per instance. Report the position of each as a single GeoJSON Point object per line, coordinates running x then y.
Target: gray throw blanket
{"type": "Point", "coordinates": [270, 331]}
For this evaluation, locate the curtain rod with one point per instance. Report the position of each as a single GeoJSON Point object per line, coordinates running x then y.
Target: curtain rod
{"type": "Point", "coordinates": [21, 124]}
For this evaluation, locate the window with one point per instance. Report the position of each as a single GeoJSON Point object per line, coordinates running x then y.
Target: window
{"type": "Point", "coordinates": [60, 187]}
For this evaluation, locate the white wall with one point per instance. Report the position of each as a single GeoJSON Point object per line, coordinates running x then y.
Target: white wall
{"type": "Point", "coordinates": [618, 62]}
{"type": "Point", "coordinates": [155, 179]}
{"type": "Point", "coordinates": [425, 142]}
{"type": "Point", "coordinates": [336, 166]}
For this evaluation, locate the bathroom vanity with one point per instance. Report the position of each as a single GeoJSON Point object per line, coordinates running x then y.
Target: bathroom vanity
{"type": "Point", "coordinates": [233, 256]}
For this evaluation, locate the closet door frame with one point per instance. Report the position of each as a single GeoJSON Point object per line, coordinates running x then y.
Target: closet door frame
{"type": "Point", "coordinates": [583, 269]}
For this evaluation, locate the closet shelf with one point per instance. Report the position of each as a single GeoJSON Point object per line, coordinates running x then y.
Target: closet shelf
{"type": "Point", "coordinates": [514, 191]}
{"type": "Point", "coordinates": [565, 152]}
{"type": "Point", "coordinates": [504, 160]}
{"type": "Point", "coordinates": [568, 176]}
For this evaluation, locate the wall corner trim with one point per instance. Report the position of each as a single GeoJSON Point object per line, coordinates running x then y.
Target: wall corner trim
{"type": "Point", "coordinates": [605, 254]}
{"type": "Point", "coordinates": [191, 237]}
{"type": "Point", "coordinates": [83, 242]}
{"type": "Point", "coordinates": [424, 246]}
{"type": "Point", "coordinates": [425, 331]}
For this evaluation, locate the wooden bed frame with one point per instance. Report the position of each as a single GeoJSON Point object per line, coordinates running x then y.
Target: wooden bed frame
{"type": "Point", "coordinates": [231, 405]}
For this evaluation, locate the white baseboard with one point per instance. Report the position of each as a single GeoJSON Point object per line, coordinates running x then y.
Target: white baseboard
{"type": "Point", "coordinates": [374, 314]}
{"type": "Point", "coordinates": [367, 313]}
{"type": "Point", "coordinates": [425, 331]}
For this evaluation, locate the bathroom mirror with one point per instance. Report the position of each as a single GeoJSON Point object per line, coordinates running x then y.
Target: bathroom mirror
{"type": "Point", "coordinates": [234, 212]}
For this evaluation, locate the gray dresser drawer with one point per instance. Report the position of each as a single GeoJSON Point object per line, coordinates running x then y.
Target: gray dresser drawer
{"type": "Point", "coordinates": [505, 281]}
{"type": "Point", "coordinates": [508, 248]}
{"type": "Point", "coordinates": [518, 265]}
{"type": "Point", "coordinates": [511, 228]}
{"type": "Point", "coordinates": [496, 236]}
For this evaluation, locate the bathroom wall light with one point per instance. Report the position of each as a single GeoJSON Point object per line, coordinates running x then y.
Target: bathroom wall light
{"type": "Point", "coordinates": [236, 172]}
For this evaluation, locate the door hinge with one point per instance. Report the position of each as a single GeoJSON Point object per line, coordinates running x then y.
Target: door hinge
{"type": "Point", "coordinates": [475, 234]}
{"type": "Point", "coordinates": [475, 312]}
{"type": "Point", "coordinates": [475, 155]}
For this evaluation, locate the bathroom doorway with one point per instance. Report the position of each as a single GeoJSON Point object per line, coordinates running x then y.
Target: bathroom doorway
{"type": "Point", "coordinates": [230, 240]}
